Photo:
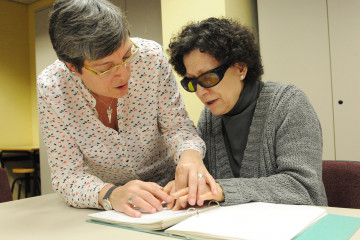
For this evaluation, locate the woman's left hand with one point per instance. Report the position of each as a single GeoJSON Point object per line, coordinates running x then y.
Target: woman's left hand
{"type": "Point", "coordinates": [192, 173]}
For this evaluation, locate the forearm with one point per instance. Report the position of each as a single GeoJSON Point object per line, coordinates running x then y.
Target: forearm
{"type": "Point", "coordinates": [179, 132]}
{"type": "Point", "coordinates": [177, 128]}
{"type": "Point", "coordinates": [278, 188]}
{"type": "Point", "coordinates": [69, 174]}
{"type": "Point", "coordinates": [79, 189]}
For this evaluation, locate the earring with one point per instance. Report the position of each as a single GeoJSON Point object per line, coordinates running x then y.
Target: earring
{"type": "Point", "coordinates": [242, 76]}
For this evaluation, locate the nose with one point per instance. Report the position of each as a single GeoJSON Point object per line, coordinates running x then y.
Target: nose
{"type": "Point", "coordinates": [122, 72]}
{"type": "Point", "coordinates": [200, 91]}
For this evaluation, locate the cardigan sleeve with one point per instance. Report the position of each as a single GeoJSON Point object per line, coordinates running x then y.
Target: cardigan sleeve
{"type": "Point", "coordinates": [289, 169]}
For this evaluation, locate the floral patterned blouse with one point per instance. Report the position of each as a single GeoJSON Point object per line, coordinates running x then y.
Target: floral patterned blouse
{"type": "Point", "coordinates": [84, 155]}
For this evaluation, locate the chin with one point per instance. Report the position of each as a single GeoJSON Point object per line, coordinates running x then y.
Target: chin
{"type": "Point", "coordinates": [217, 112]}
{"type": "Point", "coordinates": [121, 93]}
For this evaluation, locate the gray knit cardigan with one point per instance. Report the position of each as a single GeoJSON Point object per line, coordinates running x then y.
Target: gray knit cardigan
{"type": "Point", "coordinates": [283, 156]}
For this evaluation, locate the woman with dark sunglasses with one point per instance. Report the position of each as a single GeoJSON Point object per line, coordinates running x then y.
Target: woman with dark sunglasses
{"type": "Point", "coordinates": [263, 140]}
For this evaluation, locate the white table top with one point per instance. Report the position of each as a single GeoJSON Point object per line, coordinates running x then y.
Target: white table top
{"type": "Point", "coordinates": [48, 217]}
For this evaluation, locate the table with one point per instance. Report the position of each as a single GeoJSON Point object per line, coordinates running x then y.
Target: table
{"type": "Point", "coordinates": [48, 217]}
{"type": "Point", "coordinates": [32, 152]}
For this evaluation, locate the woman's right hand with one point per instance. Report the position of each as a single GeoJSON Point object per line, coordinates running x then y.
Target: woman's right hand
{"type": "Point", "coordinates": [147, 196]}
{"type": "Point", "coordinates": [180, 198]}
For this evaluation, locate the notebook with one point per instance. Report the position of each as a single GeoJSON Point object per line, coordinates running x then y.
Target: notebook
{"type": "Point", "coordinates": [255, 220]}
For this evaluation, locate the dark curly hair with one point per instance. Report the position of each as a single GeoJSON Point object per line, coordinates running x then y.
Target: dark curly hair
{"type": "Point", "coordinates": [226, 40]}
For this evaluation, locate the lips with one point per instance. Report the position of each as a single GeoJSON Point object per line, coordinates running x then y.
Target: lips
{"type": "Point", "coordinates": [209, 103]}
{"type": "Point", "coordinates": [121, 86]}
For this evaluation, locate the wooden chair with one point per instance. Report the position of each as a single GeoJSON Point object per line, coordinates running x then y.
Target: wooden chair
{"type": "Point", "coordinates": [5, 193]}
{"type": "Point", "coordinates": [342, 183]}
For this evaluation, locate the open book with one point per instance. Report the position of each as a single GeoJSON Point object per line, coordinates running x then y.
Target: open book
{"type": "Point", "coordinates": [244, 221]}
{"type": "Point", "coordinates": [150, 221]}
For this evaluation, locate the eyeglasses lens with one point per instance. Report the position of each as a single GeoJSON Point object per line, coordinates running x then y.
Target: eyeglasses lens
{"type": "Point", "coordinates": [208, 80]}
{"type": "Point", "coordinates": [191, 87]}
{"type": "Point", "coordinates": [133, 56]}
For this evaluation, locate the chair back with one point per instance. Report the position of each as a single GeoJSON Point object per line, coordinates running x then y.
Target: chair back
{"type": "Point", "coordinates": [5, 192]}
{"type": "Point", "coordinates": [342, 183]}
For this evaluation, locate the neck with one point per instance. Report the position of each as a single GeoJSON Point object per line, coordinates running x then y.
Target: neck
{"type": "Point", "coordinates": [103, 99]}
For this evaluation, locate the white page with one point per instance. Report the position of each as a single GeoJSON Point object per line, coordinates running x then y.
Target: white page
{"type": "Point", "coordinates": [253, 221]}
{"type": "Point", "coordinates": [148, 218]}
{"type": "Point", "coordinates": [145, 217]}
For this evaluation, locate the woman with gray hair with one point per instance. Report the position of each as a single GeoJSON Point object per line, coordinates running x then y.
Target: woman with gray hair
{"type": "Point", "coordinates": [111, 114]}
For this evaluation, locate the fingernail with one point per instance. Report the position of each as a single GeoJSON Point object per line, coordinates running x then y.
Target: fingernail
{"type": "Point", "coordinates": [153, 210]}
{"type": "Point", "coordinates": [169, 199]}
{"type": "Point", "coordinates": [192, 201]}
{"type": "Point", "coordinates": [137, 214]}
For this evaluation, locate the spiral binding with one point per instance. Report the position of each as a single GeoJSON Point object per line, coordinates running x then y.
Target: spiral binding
{"type": "Point", "coordinates": [197, 211]}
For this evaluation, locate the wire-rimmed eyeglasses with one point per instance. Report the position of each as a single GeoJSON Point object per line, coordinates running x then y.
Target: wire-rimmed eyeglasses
{"type": "Point", "coordinates": [135, 49]}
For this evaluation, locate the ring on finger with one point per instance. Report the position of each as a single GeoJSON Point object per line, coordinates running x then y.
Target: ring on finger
{"type": "Point", "coordinates": [201, 175]}
{"type": "Point", "coordinates": [131, 199]}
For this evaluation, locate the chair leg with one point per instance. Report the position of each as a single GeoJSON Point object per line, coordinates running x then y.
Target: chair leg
{"type": "Point", "coordinates": [19, 190]}
{"type": "Point", "coordinates": [37, 186]}
{"type": "Point", "coordinates": [27, 184]}
{"type": "Point", "coordinates": [13, 185]}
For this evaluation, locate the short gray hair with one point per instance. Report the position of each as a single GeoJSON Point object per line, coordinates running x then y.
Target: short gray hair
{"type": "Point", "coordinates": [86, 30]}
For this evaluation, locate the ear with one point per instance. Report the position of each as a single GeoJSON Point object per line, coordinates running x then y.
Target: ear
{"type": "Point", "coordinates": [72, 69]}
{"type": "Point", "coordinates": [242, 67]}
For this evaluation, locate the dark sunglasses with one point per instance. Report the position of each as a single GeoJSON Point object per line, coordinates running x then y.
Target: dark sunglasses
{"type": "Point", "coordinates": [206, 80]}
